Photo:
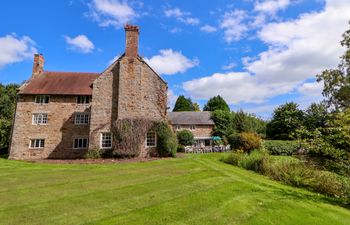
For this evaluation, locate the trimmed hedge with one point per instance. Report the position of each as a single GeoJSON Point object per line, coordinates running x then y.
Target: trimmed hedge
{"type": "Point", "coordinates": [277, 147]}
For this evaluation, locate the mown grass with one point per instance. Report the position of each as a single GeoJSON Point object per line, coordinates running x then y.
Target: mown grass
{"type": "Point", "coordinates": [197, 189]}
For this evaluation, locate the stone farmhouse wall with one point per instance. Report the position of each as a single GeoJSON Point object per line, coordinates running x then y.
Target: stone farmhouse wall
{"type": "Point", "coordinates": [58, 133]}
{"type": "Point", "coordinates": [199, 131]}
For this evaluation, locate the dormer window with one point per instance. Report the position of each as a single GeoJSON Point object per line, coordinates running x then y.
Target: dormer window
{"type": "Point", "coordinates": [83, 99]}
{"type": "Point", "coordinates": [42, 99]}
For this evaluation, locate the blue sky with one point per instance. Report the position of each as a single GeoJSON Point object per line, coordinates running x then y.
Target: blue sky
{"type": "Point", "coordinates": [257, 54]}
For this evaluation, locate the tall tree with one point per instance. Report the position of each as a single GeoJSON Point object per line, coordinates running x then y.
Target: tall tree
{"type": "Point", "coordinates": [336, 82]}
{"type": "Point", "coordinates": [316, 116]}
{"type": "Point", "coordinates": [196, 107]}
{"type": "Point", "coordinates": [286, 120]}
{"type": "Point", "coordinates": [216, 103]}
{"type": "Point", "coordinates": [183, 104]}
{"type": "Point", "coordinates": [7, 107]}
{"type": "Point", "coordinates": [245, 122]}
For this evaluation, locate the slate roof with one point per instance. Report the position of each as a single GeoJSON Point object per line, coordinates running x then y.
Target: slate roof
{"type": "Point", "coordinates": [60, 83]}
{"type": "Point", "coordinates": [190, 118]}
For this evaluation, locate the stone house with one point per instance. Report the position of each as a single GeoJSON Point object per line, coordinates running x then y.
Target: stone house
{"type": "Point", "coordinates": [64, 114]}
{"type": "Point", "coordinates": [199, 123]}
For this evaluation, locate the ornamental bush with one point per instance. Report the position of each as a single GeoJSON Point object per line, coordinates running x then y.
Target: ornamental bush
{"type": "Point", "coordinates": [246, 141]}
{"type": "Point", "coordinates": [279, 147]}
{"type": "Point", "coordinates": [185, 137]}
{"type": "Point", "coordinates": [166, 140]}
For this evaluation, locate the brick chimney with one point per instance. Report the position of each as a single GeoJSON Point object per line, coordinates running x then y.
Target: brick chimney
{"type": "Point", "coordinates": [132, 40]}
{"type": "Point", "coordinates": [38, 66]}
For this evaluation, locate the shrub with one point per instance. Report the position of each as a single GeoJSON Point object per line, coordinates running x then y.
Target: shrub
{"type": "Point", "coordinates": [245, 141]}
{"type": "Point", "coordinates": [93, 154]}
{"type": "Point", "coordinates": [180, 148]}
{"type": "Point", "coordinates": [166, 140]}
{"type": "Point", "coordinates": [293, 172]}
{"type": "Point", "coordinates": [281, 147]}
{"type": "Point", "coordinates": [185, 137]}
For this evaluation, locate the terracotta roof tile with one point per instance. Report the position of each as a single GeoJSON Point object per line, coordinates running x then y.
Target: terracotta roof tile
{"type": "Point", "coordinates": [60, 83]}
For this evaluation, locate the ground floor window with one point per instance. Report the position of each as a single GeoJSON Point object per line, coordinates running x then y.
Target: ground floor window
{"type": "Point", "coordinates": [151, 139]}
{"type": "Point", "coordinates": [106, 140]}
{"type": "Point", "coordinates": [80, 143]}
{"type": "Point", "coordinates": [37, 143]}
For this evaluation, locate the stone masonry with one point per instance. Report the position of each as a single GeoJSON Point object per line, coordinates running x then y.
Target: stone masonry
{"type": "Point", "coordinates": [129, 88]}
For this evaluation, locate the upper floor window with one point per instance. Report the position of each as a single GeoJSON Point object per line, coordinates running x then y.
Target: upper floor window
{"type": "Point", "coordinates": [42, 99]}
{"type": "Point", "coordinates": [37, 143]}
{"type": "Point", "coordinates": [192, 127]}
{"type": "Point", "coordinates": [151, 139]}
{"type": "Point", "coordinates": [106, 140]}
{"type": "Point", "coordinates": [39, 118]}
{"type": "Point", "coordinates": [80, 143]}
{"type": "Point", "coordinates": [81, 118]}
{"type": "Point", "coordinates": [83, 99]}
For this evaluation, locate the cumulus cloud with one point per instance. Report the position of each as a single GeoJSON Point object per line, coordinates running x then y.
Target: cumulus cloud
{"type": "Point", "coordinates": [233, 25]}
{"type": "Point", "coordinates": [271, 6]}
{"type": "Point", "coordinates": [208, 29]}
{"type": "Point", "coordinates": [15, 49]}
{"type": "Point", "coordinates": [182, 16]}
{"type": "Point", "coordinates": [111, 12]}
{"type": "Point", "coordinates": [80, 43]}
{"type": "Point", "coordinates": [229, 66]}
{"type": "Point", "coordinates": [297, 51]}
{"type": "Point", "coordinates": [171, 99]}
{"type": "Point", "coordinates": [170, 62]}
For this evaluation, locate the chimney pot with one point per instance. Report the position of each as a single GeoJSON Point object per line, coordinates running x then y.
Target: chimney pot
{"type": "Point", "coordinates": [132, 40]}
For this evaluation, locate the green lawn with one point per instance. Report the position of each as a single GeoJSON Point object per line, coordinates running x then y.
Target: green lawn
{"type": "Point", "coordinates": [197, 189]}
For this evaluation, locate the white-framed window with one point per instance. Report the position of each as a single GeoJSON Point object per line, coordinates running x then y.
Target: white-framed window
{"type": "Point", "coordinates": [37, 143]}
{"type": "Point", "coordinates": [83, 99]}
{"type": "Point", "coordinates": [80, 143]}
{"type": "Point", "coordinates": [82, 118]}
{"type": "Point", "coordinates": [39, 118]}
{"type": "Point", "coordinates": [42, 99]}
{"type": "Point", "coordinates": [151, 139]}
{"type": "Point", "coordinates": [192, 127]}
{"type": "Point", "coordinates": [106, 140]}
{"type": "Point", "coordinates": [177, 127]}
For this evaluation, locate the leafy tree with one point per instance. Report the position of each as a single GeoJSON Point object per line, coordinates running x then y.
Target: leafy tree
{"type": "Point", "coordinates": [315, 116]}
{"type": "Point", "coordinates": [286, 120]}
{"type": "Point", "coordinates": [196, 107]}
{"type": "Point", "coordinates": [336, 82]}
{"type": "Point", "coordinates": [7, 107]}
{"type": "Point", "coordinates": [185, 137]}
{"type": "Point", "coordinates": [245, 122]}
{"type": "Point", "coordinates": [223, 120]}
{"type": "Point", "coordinates": [216, 103]}
{"type": "Point", "coordinates": [183, 104]}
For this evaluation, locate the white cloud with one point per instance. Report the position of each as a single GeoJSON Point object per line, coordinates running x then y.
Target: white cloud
{"type": "Point", "coordinates": [208, 29]}
{"type": "Point", "coordinates": [311, 89]}
{"type": "Point", "coordinates": [233, 25]}
{"type": "Point", "coordinates": [114, 59]}
{"type": "Point", "coordinates": [80, 43]}
{"type": "Point", "coordinates": [297, 51]}
{"type": "Point", "coordinates": [15, 49]}
{"type": "Point", "coordinates": [170, 62]}
{"type": "Point", "coordinates": [229, 66]}
{"type": "Point", "coordinates": [182, 16]}
{"type": "Point", "coordinates": [111, 12]}
{"type": "Point", "coordinates": [271, 6]}
{"type": "Point", "coordinates": [171, 99]}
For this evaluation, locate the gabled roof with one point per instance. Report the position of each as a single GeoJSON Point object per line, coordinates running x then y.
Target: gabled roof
{"type": "Point", "coordinates": [190, 118]}
{"type": "Point", "coordinates": [60, 83]}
